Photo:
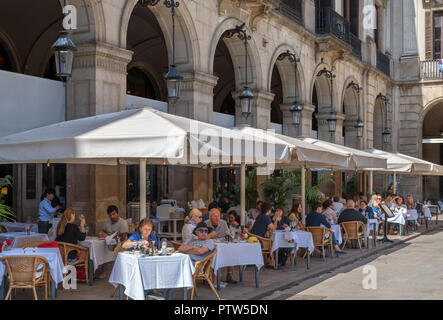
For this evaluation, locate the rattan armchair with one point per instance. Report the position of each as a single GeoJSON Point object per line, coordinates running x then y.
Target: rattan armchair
{"type": "Point", "coordinates": [175, 244]}
{"type": "Point", "coordinates": [22, 271]}
{"type": "Point", "coordinates": [203, 271]}
{"type": "Point", "coordinates": [83, 256]}
{"type": "Point", "coordinates": [266, 247]}
{"type": "Point", "coordinates": [32, 244]}
{"type": "Point", "coordinates": [319, 237]}
{"type": "Point", "coordinates": [352, 232]}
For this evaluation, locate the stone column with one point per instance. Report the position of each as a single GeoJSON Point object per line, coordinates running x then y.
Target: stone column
{"type": "Point", "coordinates": [323, 129]}
{"type": "Point", "coordinates": [97, 86]}
{"type": "Point", "coordinates": [309, 15]}
{"type": "Point", "coordinates": [305, 128]}
{"type": "Point", "coordinates": [260, 110]}
{"type": "Point", "coordinates": [196, 102]}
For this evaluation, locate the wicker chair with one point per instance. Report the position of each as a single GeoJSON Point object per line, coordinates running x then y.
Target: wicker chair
{"type": "Point", "coordinates": [203, 271]}
{"type": "Point", "coordinates": [32, 244]}
{"type": "Point", "coordinates": [266, 247]}
{"type": "Point", "coordinates": [22, 272]}
{"type": "Point", "coordinates": [175, 244]}
{"type": "Point", "coordinates": [352, 232]}
{"type": "Point", "coordinates": [319, 237]}
{"type": "Point", "coordinates": [83, 253]}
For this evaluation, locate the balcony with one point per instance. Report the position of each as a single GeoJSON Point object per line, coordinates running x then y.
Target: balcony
{"type": "Point", "coordinates": [383, 63]}
{"type": "Point", "coordinates": [292, 9]}
{"type": "Point", "coordinates": [356, 46]}
{"type": "Point", "coordinates": [330, 22]}
{"type": "Point", "coordinates": [431, 69]}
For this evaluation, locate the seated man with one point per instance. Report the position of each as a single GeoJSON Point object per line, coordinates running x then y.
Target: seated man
{"type": "Point", "coordinates": [316, 219]}
{"type": "Point", "coordinates": [112, 224]}
{"type": "Point", "coordinates": [351, 214]}
{"type": "Point", "coordinates": [219, 226]}
{"type": "Point", "coordinates": [263, 225]}
{"type": "Point", "coordinates": [200, 248]}
{"type": "Point", "coordinates": [221, 230]}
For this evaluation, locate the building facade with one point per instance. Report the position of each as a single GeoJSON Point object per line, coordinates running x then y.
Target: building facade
{"type": "Point", "coordinates": [389, 48]}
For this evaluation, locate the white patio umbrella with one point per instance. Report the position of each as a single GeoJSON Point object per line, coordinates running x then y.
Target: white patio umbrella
{"type": "Point", "coordinates": [307, 154]}
{"type": "Point", "coordinates": [137, 136]}
{"type": "Point", "coordinates": [398, 163]}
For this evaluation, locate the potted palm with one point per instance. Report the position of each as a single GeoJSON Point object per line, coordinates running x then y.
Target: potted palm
{"type": "Point", "coordinates": [6, 212]}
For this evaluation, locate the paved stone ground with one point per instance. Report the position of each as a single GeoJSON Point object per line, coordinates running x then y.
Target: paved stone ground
{"type": "Point", "coordinates": [278, 283]}
{"type": "Point", "coordinates": [408, 271]}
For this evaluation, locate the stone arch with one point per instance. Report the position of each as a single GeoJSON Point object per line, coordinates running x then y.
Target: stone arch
{"type": "Point", "coordinates": [349, 108]}
{"type": "Point", "coordinates": [187, 53]}
{"type": "Point", "coordinates": [290, 82]}
{"type": "Point", "coordinates": [152, 75]}
{"type": "Point", "coordinates": [236, 49]}
{"type": "Point", "coordinates": [323, 89]}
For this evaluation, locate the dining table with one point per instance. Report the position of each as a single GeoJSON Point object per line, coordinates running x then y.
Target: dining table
{"type": "Point", "coordinates": [52, 255]}
{"type": "Point", "coordinates": [237, 253]}
{"type": "Point", "coordinates": [292, 239]}
{"type": "Point", "coordinates": [20, 226]}
{"type": "Point", "coordinates": [136, 273]}
{"type": "Point", "coordinates": [99, 254]}
{"type": "Point", "coordinates": [17, 238]}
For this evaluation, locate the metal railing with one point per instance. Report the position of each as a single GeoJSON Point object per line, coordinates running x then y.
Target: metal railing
{"type": "Point", "coordinates": [383, 63]}
{"type": "Point", "coordinates": [431, 69]}
{"type": "Point", "coordinates": [329, 21]}
{"type": "Point", "coordinates": [292, 9]}
{"type": "Point", "coordinates": [356, 46]}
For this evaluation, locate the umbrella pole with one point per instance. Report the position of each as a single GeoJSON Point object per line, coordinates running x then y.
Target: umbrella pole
{"type": "Point", "coordinates": [394, 189]}
{"type": "Point", "coordinates": [242, 194]}
{"type": "Point", "coordinates": [371, 179]}
{"type": "Point", "coordinates": [142, 189]}
{"type": "Point", "coordinates": [303, 192]}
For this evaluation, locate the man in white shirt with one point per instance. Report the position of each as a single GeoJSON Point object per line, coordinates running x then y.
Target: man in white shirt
{"type": "Point", "coordinates": [337, 206]}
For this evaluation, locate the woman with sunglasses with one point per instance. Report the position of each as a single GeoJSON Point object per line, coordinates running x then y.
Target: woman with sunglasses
{"type": "Point", "coordinates": [191, 221]}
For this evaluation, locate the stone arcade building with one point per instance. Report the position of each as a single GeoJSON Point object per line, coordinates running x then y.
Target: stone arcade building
{"type": "Point", "coordinates": [125, 48]}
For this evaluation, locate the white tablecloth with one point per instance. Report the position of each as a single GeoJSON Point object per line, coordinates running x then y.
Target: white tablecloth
{"type": "Point", "coordinates": [20, 227]}
{"type": "Point", "coordinates": [17, 238]}
{"type": "Point", "coordinates": [237, 254]}
{"type": "Point", "coordinates": [98, 251]}
{"type": "Point", "coordinates": [370, 226]}
{"type": "Point", "coordinates": [51, 254]}
{"type": "Point", "coordinates": [413, 215]}
{"type": "Point", "coordinates": [337, 232]}
{"type": "Point", "coordinates": [139, 273]}
{"type": "Point", "coordinates": [398, 218]}
{"type": "Point", "coordinates": [303, 239]}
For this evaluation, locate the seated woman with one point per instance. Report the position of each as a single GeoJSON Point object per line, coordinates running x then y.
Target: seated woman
{"type": "Point", "coordinates": [398, 208]}
{"type": "Point", "coordinates": [143, 233]}
{"type": "Point", "coordinates": [68, 231]}
{"type": "Point", "coordinates": [295, 216]}
{"type": "Point", "coordinates": [191, 221]}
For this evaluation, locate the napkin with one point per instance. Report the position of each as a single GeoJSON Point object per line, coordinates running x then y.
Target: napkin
{"type": "Point", "coordinates": [110, 240]}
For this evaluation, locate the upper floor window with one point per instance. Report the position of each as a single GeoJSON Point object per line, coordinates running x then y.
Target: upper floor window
{"type": "Point", "coordinates": [437, 34]}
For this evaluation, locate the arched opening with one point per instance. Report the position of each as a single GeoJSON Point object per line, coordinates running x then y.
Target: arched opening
{"type": "Point", "coordinates": [150, 59]}
{"type": "Point", "coordinates": [314, 114]}
{"type": "Point", "coordinates": [277, 90]}
{"type": "Point", "coordinates": [433, 152]}
{"type": "Point", "coordinates": [350, 106]}
{"type": "Point", "coordinates": [223, 101]}
{"type": "Point", "coordinates": [140, 84]}
{"type": "Point", "coordinates": [145, 79]}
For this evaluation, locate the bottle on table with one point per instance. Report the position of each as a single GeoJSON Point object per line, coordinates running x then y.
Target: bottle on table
{"type": "Point", "coordinates": [164, 245]}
